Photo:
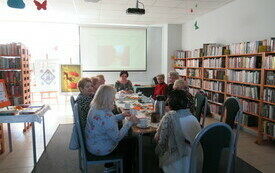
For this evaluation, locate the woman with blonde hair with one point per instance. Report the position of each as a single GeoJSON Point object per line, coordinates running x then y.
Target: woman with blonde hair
{"type": "Point", "coordinates": [102, 133]}
{"type": "Point", "coordinates": [181, 84]}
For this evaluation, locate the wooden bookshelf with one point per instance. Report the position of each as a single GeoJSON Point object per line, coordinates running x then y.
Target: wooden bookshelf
{"type": "Point", "coordinates": [259, 66]}
{"type": "Point", "coordinates": [15, 71]}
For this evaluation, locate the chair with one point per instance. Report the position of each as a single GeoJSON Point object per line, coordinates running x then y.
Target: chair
{"type": "Point", "coordinates": [201, 102]}
{"type": "Point", "coordinates": [216, 142]}
{"type": "Point", "coordinates": [86, 157]}
{"type": "Point", "coordinates": [233, 111]}
{"type": "Point", "coordinates": [72, 100]}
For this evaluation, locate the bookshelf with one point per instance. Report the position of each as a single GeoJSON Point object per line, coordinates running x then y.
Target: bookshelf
{"type": "Point", "coordinates": [248, 76]}
{"type": "Point", "coordinates": [15, 70]}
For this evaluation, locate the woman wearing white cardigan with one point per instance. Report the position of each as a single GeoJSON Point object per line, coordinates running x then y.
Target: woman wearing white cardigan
{"type": "Point", "coordinates": [176, 135]}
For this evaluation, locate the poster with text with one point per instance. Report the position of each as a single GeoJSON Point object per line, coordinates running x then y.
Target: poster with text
{"type": "Point", "coordinates": [70, 75]}
{"type": "Point", "coordinates": [4, 98]}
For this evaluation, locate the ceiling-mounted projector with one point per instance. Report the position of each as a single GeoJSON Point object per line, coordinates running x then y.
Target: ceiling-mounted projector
{"type": "Point", "coordinates": [92, 0]}
{"type": "Point", "coordinates": [137, 11]}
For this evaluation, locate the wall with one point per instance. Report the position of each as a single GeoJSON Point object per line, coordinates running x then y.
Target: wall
{"type": "Point", "coordinates": [238, 21]}
{"type": "Point", "coordinates": [154, 61]}
{"type": "Point", "coordinates": [172, 41]}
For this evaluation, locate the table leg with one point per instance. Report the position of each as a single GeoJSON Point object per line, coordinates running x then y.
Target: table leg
{"type": "Point", "coordinates": [33, 144]}
{"type": "Point", "coordinates": [140, 153]}
{"type": "Point", "coordinates": [44, 136]}
{"type": "Point", "coordinates": [9, 133]}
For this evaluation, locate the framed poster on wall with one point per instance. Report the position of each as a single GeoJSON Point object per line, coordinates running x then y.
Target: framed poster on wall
{"type": "Point", "coordinates": [70, 75]}
{"type": "Point", "coordinates": [4, 98]}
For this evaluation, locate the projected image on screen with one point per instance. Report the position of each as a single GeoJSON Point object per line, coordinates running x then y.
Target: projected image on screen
{"type": "Point", "coordinates": [112, 49]}
{"type": "Point", "coordinates": [118, 56]}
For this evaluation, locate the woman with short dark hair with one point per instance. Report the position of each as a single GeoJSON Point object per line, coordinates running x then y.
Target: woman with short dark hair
{"type": "Point", "coordinates": [124, 85]}
{"type": "Point", "coordinates": [174, 139]}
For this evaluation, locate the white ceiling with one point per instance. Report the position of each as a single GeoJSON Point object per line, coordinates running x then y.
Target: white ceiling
{"type": "Point", "coordinates": [111, 11]}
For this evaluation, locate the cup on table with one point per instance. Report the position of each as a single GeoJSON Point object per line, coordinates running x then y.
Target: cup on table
{"type": "Point", "coordinates": [143, 122]}
{"type": "Point", "coordinates": [127, 105]}
{"type": "Point", "coordinates": [133, 112]}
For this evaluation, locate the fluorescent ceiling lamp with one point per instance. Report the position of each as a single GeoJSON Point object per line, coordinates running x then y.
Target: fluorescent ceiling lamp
{"type": "Point", "coordinates": [92, 0]}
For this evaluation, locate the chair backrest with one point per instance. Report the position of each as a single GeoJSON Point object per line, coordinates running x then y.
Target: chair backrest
{"type": "Point", "coordinates": [79, 131]}
{"type": "Point", "coordinates": [233, 110]}
{"type": "Point", "coordinates": [216, 141]}
{"type": "Point", "coordinates": [72, 100]}
{"type": "Point", "coordinates": [190, 127]}
{"type": "Point", "coordinates": [147, 91]}
{"type": "Point", "coordinates": [201, 102]}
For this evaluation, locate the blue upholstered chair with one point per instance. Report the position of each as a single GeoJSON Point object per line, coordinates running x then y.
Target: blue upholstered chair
{"type": "Point", "coordinates": [232, 114]}
{"type": "Point", "coordinates": [201, 102]}
{"type": "Point", "coordinates": [214, 146]}
{"type": "Point", "coordinates": [86, 157]}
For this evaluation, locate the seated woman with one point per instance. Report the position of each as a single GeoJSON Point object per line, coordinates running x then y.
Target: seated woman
{"type": "Point", "coordinates": [95, 84]}
{"type": "Point", "coordinates": [102, 133]}
{"type": "Point", "coordinates": [101, 79]}
{"type": "Point", "coordinates": [160, 88]}
{"type": "Point", "coordinates": [84, 99]}
{"type": "Point", "coordinates": [173, 76]}
{"type": "Point", "coordinates": [174, 137]}
{"type": "Point", "coordinates": [123, 84]}
{"type": "Point", "coordinates": [181, 84]}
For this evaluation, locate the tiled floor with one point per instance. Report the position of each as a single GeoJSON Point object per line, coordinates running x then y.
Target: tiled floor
{"type": "Point", "coordinates": [21, 159]}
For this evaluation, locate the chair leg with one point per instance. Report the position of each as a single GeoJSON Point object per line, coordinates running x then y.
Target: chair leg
{"type": "Point", "coordinates": [121, 166]}
{"type": "Point", "coordinates": [80, 159]}
{"type": "Point", "coordinates": [85, 167]}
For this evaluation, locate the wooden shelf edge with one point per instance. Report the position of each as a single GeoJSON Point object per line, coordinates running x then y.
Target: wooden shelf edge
{"type": "Point", "coordinates": [210, 101]}
{"type": "Point", "coordinates": [251, 69]}
{"type": "Point", "coordinates": [269, 86]}
{"type": "Point", "coordinates": [245, 83]}
{"type": "Point", "coordinates": [247, 54]}
{"type": "Point", "coordinates": [250, 113]}
{"type": "Point", "coordinates": [214, 79]}
{"type": "Point", "coordinates": [268, 119]}
{"type": "Point", "coordinates": [243, 97]}
{"type": "Point", "coordinates": [271, 103]}
{"type": "Point", "coordinates": [213, 91]}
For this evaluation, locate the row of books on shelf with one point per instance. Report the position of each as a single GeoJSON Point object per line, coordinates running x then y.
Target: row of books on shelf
{"type": "Point", "coordinates": [10, 49]}
{"type": "Point", "coordinates": [245, 62]}
{"type": "Point", "coordinates": [213, 49]}
{"type": "Point", "coordinates": [269, 95]}
{"type": "Point", "coordinates": [270, 62]}
{"type": "Point", "coordinates": [215, 108]}
{"type": "Point", "coordinates": [188, 54]}
{"type": "Point", "coordinates": [214, 62]}
{"type": "Point", "coordinates": [179, 63]}
{"type": "Point", "coordinates": [243, 90]}
{"type": "Point", "coordinates": [181, 71]}
{"type": "Point", "coordinates": [194, 72]}
{"type": "Point", "coordinates": [268, 128]}
{"type": "Point", "coordinates": [270, 78]}
{"type": "Point", "coordinates": [244, 47]}
{"type": "Point", "coordinates": [10, 62]}
{"type": "Point", "coordinates": [16, 100]}
{"type": "Point", "coordinates": [194, 63]}
{"type": "Point", "coordinates": [10, 76]}
{"type": "Point", "coordinates": [215, 97]}
{"type": "Point", "coordinates": [250, 120]}
{"type": "Point", "coordinates": [268, 111]}
{"type": "Point", "coordinates": [250, 106]}
{"type": "Point", "coordinates": [214, 74]}
{"type": "Point", "coordinates": [244, 76]}
{"type": "Point", "coordinates": [214, 85]}
{"type": "Point", "coordinates": [194, 82]}
{"type": "Point", "coordinates": [14, 89]}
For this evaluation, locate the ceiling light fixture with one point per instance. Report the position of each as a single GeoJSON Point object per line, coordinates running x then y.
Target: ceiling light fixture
{"type": "Point", "coordinates": [92, 1]}
{"type": "Point", "coordinates": [137, 11]}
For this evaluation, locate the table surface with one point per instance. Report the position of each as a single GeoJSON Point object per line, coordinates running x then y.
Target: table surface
{"type": "Point", "coordinates": [135, 129]}
{"type": "Point", "coordinates": [23, 118]}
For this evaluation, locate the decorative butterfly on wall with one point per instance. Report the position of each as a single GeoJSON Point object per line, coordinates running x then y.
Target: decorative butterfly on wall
{"type": "Point", "coordinates": [40, 6]}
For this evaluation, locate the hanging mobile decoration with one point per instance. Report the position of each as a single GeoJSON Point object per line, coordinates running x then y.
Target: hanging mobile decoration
{"type": "Point", "coordinates": [16, 4]}
{"type": "Point", "coordinates": [196, 5]}
{"type": "Point", "coordinates": [196, 25]}
{"type": "Point", "coordinates": [191, 10]}
{"type": "Point", "coordinates": [40, 6]}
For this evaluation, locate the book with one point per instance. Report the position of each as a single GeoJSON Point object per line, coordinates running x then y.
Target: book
{"type": "Point", "coordinates": [8, 112]}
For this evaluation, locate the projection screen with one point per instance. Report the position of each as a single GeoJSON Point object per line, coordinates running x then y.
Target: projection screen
{"type": "Point", "coordinates": [112, 49]}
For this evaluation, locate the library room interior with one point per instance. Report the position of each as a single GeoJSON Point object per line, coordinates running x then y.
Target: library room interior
{"type": "Point", "coordinates": [137, 86]}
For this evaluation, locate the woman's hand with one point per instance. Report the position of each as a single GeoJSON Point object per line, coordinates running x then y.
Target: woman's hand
{"type": "Point", "coordinates": [156, 137]}
{"type": "Point", "coordinates": [130, 92]}
{"type": "Point", "coordinates": [126, 113]}
{"type": "Point", "coordinates": [133, 119]}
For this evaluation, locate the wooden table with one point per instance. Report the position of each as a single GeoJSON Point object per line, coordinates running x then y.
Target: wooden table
{"type": "Point", "coordinates": [139, 131]}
